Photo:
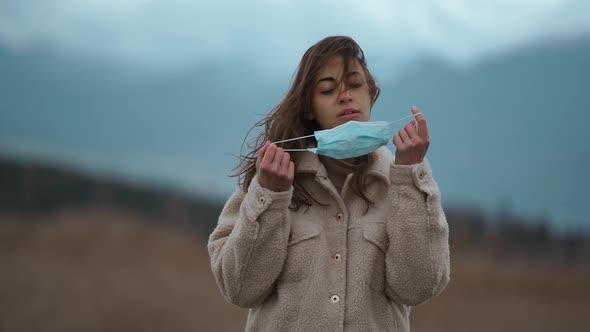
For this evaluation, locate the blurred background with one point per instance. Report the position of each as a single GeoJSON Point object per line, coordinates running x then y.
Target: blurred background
{"type": "Point", "coordinates": [121, 120]}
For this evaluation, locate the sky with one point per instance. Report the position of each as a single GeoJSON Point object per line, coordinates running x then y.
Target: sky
{"type": "Point", "coordinates": [161, 34]}
{"type": "Point", "coordinates": [167, 90]}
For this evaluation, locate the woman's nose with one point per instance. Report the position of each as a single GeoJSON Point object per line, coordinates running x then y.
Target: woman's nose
{"type": "Point", "coordinates": [344, 95]}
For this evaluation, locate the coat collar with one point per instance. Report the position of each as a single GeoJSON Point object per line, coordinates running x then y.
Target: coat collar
{"type": "Point", "coordinates": [380, 162]}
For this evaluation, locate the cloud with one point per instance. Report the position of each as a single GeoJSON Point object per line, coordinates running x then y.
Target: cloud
{"type": "Point", "coordinates": [179, 33]}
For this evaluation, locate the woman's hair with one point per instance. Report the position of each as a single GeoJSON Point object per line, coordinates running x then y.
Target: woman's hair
{"type": "Point", "coordinates": [287, 119]}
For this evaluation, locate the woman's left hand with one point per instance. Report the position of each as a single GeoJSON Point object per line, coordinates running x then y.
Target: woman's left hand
{"type": "Point", "coordinates": [412, 142]}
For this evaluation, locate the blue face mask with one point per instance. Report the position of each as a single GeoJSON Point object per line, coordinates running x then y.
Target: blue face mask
{"type": "Point", "coordinates": [351, 139]}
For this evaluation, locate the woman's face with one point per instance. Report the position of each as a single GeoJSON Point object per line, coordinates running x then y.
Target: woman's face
{"type": "Point", "coordinates": [334, 104]}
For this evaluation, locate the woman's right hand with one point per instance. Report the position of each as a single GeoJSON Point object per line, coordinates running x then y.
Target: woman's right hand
{"type": "Point", "coordinates": [274, 168]}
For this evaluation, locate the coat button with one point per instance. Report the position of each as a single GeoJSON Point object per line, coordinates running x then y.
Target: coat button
{"type": "Point", "coordinates": [421, 175]}
{"type": "Point", "coordinates": [337, 257]}
{"type": "Point", "coordinates": [335, 299]}
{"type": "Point", "coordinates": [339, 217]}
{"type": "Point", "coordinates": [261, 199]}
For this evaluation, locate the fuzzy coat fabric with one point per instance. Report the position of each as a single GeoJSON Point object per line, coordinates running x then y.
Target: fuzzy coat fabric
{"type": "Point", "coordinates": [333, 268]}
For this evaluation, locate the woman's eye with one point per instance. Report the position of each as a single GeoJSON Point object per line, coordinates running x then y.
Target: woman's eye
{"type": "Point", "coordinates": [327, 92]}
{"type": "Point", "coordinates": [355, 85]}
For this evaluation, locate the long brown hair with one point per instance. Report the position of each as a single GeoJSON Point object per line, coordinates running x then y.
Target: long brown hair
{"type": "Point", "coordinates": [287, 119]}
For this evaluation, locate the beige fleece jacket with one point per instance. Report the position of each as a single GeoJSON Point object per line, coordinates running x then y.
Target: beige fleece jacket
{"type": "Point", "coordinates": [333, 268]}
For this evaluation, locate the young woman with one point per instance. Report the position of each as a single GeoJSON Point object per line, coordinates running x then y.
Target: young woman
{"type": "Point", "coordinates": [314, 243]}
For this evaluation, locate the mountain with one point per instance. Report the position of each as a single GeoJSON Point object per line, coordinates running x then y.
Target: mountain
{"type": "Point", "coordinates": [507, 132]}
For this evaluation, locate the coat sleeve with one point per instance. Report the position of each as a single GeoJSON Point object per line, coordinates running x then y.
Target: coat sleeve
{"type": "Point", "coordinates": [417, 259]}
{"type": "Point", "coordinates": [249, 245]}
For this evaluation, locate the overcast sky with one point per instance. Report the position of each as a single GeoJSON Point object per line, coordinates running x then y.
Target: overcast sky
{"type": "Point", "coordinates": [164, 34]}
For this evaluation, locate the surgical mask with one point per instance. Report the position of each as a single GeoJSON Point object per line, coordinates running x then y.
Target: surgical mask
{"type": "Point", "coordinates": [351, 139]}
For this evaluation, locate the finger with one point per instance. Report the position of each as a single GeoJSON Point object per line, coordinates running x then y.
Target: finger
{"type": "Point", "coordinates": [397, 141]}
{"type": "Point", "coordinates": [261, 153]}
{"type": "Point", "coordinates": [415, 111]}
{"type": "Point", "coordinates": [276, 162]}
{"type": "Point", "coordinates": [263, 149]}
{"type": "Point", "coordinates": [285, 163]}
{"type": "Point", "coordinates": [404, 136]}
{"type": "Point", "coordinates": [278, 159]}
{"type": "Point", "coordinates": [422, 125]}
{"type": "Point", "coordinates": [412, 132]}
{"type": "Point", "coordinates": [269, 155]}
{"type": "Point", "coordinates": [291, 171]}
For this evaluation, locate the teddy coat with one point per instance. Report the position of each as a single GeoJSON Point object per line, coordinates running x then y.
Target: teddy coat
{"type": "Point", "coordinates": [333, 267]}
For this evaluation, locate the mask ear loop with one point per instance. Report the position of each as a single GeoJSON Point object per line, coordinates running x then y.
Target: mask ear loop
{"type": "Point", "coordinates": [406, 117]}
{"type": "Point", "coordinates": [293, 139]}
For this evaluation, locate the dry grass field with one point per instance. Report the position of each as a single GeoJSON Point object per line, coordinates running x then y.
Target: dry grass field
{"type": "Point", "coordinates": [106, 270]}
{"type": "Point", "coordinates": [489, 295]}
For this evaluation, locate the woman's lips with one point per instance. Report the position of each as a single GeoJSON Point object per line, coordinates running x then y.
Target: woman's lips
{"type": "Point", "coordinates": [349, 113]}
{"type": "Point", "coordinates": [349, 116]}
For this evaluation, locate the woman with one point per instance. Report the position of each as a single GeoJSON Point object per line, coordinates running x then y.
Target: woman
{"type": "Point", "coordinates": [313, 243]}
